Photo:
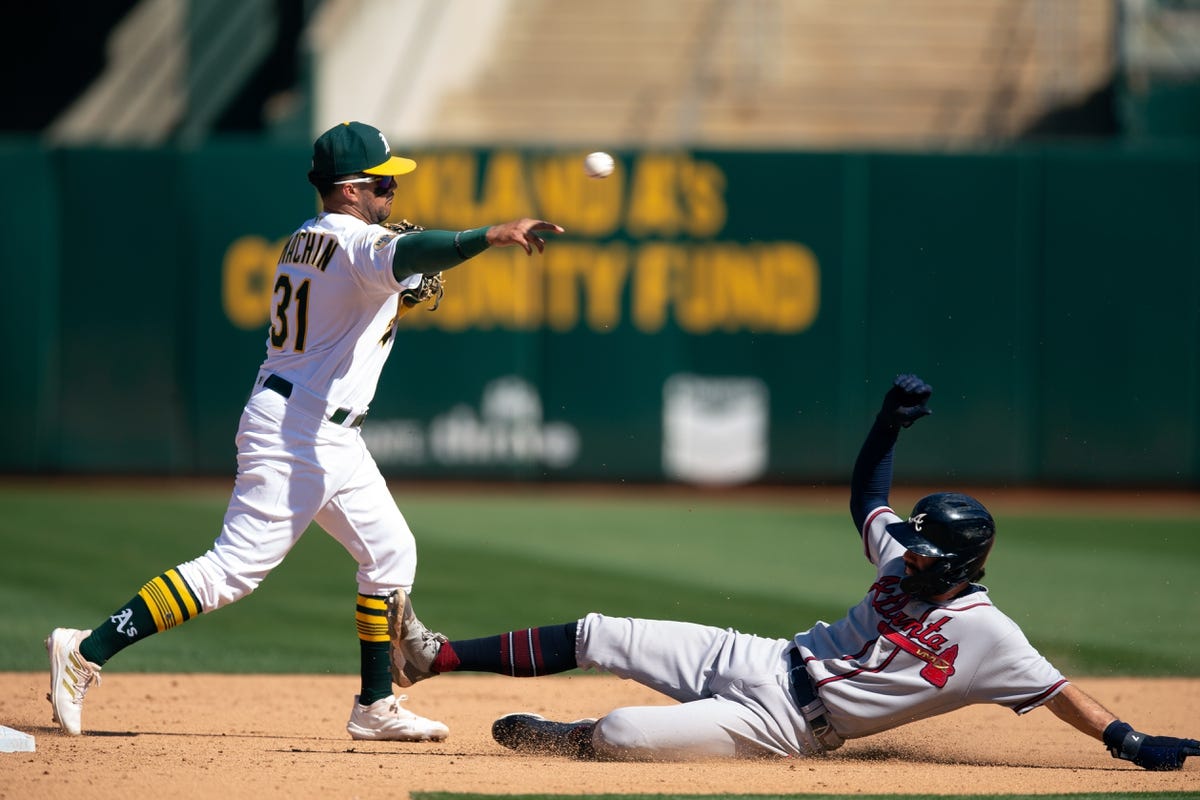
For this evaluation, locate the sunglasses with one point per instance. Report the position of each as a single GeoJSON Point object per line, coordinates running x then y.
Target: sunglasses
{"type": "Point", "coordinates": [386, 182]}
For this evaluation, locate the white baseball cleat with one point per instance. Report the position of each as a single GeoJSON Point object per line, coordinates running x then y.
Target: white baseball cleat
{"type": "Point", "coordinates": [386, 720]}
{"type": "Point", "coordinates": [71, 675]}
{"type": "Point", "coordinates": [413, 646]}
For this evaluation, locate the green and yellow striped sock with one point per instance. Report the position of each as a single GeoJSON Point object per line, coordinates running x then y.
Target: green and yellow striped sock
{"type": "Point", "coordinates": [164, 602]}
{"type": "Point", "coordinates": [370, 616]}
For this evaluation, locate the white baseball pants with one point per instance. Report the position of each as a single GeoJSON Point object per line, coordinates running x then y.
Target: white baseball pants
{"type": "Point", "coordinates": [294, 468]}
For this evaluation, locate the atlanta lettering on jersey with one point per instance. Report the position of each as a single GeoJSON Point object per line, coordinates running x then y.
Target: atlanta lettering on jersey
{"type": "Point", "coordinates": [309, 247]}
{"type": "Point", "coordinates": [914, 636]}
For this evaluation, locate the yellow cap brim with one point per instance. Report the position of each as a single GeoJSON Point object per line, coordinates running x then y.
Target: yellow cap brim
{"type": "Point", "coordinates": [393, 166]}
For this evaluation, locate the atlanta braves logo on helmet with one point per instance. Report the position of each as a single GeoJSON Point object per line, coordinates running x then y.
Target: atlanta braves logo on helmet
{"type": "Point", "coordinates": [917, 521]}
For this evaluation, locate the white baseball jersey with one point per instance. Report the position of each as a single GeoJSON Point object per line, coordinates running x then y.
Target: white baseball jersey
{"type": "Point", "coordinates": [895, 659]}
{"type": "Point", "coordinates": [300, 457]}
{"type": "Point", "coordinates": [334, 304]}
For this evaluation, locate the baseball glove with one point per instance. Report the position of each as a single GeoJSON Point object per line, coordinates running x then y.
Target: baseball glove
{"type": "Point", "coordinates": [432, 286]}
{"type": "Point", "coordinates": [403, 226]}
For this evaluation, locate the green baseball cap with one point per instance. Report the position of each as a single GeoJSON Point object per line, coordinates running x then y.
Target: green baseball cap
{"type": "Point", "coordinates": [356, 147]}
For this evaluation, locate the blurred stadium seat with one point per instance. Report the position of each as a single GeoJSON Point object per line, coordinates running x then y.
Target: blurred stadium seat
{"type": "Point", "coordinates": [774, 73]}
{"type": "Point", "coordinates": [701, 73]}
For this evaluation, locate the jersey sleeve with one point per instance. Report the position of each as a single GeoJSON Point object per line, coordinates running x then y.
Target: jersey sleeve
{"type": "Point", "coordinates": [1015, 675]}
{"type": "Point", "coordinates": [370, 253]}
{"type": "Point", "coordinates": [878, 545]}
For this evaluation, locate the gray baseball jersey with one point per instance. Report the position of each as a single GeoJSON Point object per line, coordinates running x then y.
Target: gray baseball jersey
{"type": "Point", "coordinates": [893, 659]}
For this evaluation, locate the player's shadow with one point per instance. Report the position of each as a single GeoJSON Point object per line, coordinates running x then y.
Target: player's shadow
{"type": "Point", "coordinates": [910, 755]}
{"type": "Point", "coordinates": [54, 730]}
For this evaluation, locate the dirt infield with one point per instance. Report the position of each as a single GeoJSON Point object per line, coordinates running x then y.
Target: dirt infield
{"type": "Point", "coordinates": [222, 736]}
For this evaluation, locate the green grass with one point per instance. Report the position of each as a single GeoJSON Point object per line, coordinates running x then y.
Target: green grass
{"type": "Point", "coordinates": [1114, 594]}
{"type": "Point", "coordinates": [1082, 796]}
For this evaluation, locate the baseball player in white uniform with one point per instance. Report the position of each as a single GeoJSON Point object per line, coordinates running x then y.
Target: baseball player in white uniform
{"type": "Point", "coordinates": [924, 641]}
{"type": "Point", "coordinates": [338, 291]}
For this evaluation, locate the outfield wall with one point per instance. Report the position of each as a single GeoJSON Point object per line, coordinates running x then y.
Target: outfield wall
{"type": "Point", "coordinates": [708, 317]}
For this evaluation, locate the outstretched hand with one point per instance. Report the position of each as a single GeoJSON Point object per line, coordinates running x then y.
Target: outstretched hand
{"type": "Point", "coordinates": [1158, 753]}
{"type": "Point", "coordinates": [521, 232]}
{"type": "Point", "coordinates": [905, 402]}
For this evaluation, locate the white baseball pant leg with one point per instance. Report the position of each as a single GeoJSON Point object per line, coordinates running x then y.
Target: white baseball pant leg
{"type": "Point", "coordinates": [733, 691]}
{"type": "Point", "coordinates": [364, 518]}
{"type": "Point", "coordinates": [294, 468]}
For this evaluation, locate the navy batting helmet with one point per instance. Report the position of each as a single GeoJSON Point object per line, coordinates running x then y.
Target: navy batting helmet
{"type": "Point", "coordinates": [953, 528]}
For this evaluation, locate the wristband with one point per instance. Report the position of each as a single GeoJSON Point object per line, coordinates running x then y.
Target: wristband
{"type": "Point", "coordinates": [1122, 740]}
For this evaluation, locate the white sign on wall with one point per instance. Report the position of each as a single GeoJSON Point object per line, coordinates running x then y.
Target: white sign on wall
{"type": "Point", "coordinates": [715, 430]}
{"type": "Point", "coordinates": [507, 429]}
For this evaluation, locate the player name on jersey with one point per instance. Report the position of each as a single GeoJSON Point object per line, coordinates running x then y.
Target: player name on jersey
{"type": "Point", "coordinates": [309, 247]}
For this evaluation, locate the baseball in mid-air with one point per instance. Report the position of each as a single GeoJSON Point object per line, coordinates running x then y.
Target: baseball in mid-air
{"type": "Point", "coordinates": [598, 165]}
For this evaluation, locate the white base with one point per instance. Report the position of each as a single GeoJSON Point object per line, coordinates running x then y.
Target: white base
{"type": "Point", "coordinates": [13, 741]}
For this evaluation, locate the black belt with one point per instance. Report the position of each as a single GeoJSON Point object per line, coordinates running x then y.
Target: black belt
{"type": "Point", "coordinates": [805, 695]}
{"type": "Point", "coordinates": [283, 386]}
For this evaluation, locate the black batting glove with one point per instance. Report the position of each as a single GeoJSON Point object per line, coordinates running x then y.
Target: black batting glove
{"type": "Point", "coordinates": [905, 402]}
{"type": "Point", "coordinates": [1158, 753]}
